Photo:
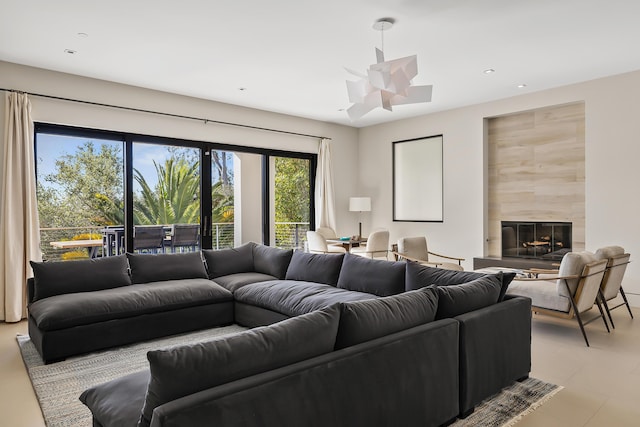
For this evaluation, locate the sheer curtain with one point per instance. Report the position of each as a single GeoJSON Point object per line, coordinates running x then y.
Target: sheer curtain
{"type": "Point", "coordinates": [325, 208]}
{"type": "Point", "coordinates": [19, 226]}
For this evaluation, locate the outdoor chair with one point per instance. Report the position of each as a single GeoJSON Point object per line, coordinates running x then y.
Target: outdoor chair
{"type": "Point", "coordinates": [317, 244]}
{"type": "Point", "coordinates": [611, 285]}
{"type": "Point", "coordinates": [185, 236]}
{"type": "Point", "coordinates": [571, 293]}
{"type": "Point", "coordinates": [377, 245]}
{"type": "Point", "coordinates": [148, 238]}
{"type": "Point", "coordinates": [415, 249]}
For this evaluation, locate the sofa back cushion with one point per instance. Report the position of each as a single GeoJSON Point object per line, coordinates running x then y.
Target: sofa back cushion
{"type": "Point", "coordinates": [271, 261]}
{"type": "Point", "coordinates": [374, 276]}
{"type": "Point", "coordinates": [222, 262]}
{"type": "Point", "coordinates": [146, 268]}
{"type": "Point", "coordinates": [66, 277]}
{"type": "Point", "coordinates": [454, 300]}
{"type": "Point", "coordinates": [419, 276]}
{"type": "Point", "coordinates": [318, 268]}
{"type": "Point", "coordinates": [362, 321]}
{"type": "Point", "coordinates": [184, 370]}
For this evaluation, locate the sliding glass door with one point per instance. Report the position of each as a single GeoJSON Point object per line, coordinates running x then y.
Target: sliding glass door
{"type": "Point", "coordinates": [103, 193]}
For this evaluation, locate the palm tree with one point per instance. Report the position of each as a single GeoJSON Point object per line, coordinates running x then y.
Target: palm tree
{"type": "Point", "coordinates": [175, 198]}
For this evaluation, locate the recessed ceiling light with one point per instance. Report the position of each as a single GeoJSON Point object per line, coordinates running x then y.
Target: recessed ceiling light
{"type": "Point", "coordinates": [340, 109]}
{"type": "Point", "coordinates": [522, 85]}
{"type": "Point", "coordinates": [489, 71]}
{"type": "Point", "coordinates": [70, 51]}
{"type": "Point", "coordinates": [83, 35]}
{"type": "Point", "coordinates": [242, 89]}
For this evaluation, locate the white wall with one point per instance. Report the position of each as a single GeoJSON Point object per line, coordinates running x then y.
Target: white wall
{"type": "Point", "coordinates": [28, 79]}
{"type": "Point", "coordinates": [612, 147]}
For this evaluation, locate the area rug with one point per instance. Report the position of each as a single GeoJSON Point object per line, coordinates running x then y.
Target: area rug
{"type": "Point", "coordinates": [58, 385]}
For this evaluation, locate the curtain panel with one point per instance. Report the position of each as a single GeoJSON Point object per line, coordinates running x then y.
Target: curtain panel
{"type": "Point", "coordinates": [325, 200]}
{"type": "Point", "coordinates": [19, 225]}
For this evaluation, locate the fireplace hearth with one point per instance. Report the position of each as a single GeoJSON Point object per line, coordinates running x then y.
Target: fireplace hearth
{"type": "Point", "coordinates": [536, 240]}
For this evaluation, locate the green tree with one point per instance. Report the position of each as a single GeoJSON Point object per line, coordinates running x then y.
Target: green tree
{"type": "Point", "coordinates": [292, 190]}
{"type": "Point", "coordinates": [85, 189]}
{"type": "Point", "coordinates": [175, 199]}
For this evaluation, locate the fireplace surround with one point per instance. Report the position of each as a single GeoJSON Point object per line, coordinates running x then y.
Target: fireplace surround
{"type": "Point", "coordinates": [536, 240]}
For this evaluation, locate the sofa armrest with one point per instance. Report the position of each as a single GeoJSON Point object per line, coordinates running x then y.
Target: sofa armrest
{"type": "Point", "coordinates": [407, 378]}
{"type": "Point", "coordinates": [495, 349]}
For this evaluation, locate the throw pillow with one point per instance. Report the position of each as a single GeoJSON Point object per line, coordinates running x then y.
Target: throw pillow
{"type": "Point", "coordinates": [222, 262]}
{"type": "Point", "coordinates": [146, 268]}
{"type": "Point", "coordinates": [454, 300]}
{"type": "Point", "coordinates": [374, 276]}
{"type": "Point", "coordinates": [271, 261]}
{"type": "Point", "coordinates": [419, 276]}
{"type": "Point", "coordinates": [318, 268]}
{"type": "Point", "coordinates": [362, 321]}
{"type": "Point", "coordinates": [184, 370]}
{"type": "Point", "coordinates": [67, 277]}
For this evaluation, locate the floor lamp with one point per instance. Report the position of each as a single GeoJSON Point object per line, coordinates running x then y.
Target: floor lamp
{"type": "Point", "coordinates": [360, 204]}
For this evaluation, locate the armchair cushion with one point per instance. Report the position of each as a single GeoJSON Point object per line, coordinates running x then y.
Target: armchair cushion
{"type": "Point", "coordinates": [319, 268]}
{"type": "Point", "coordinates": [362, 321]}
{"type": "Point", "coordinates": [571, 265]}
{"type": "Point", "coordinates": [419, 276]}
{"type": "Point", "coordinates": [374, 276]}
{"type": "Point", "coordinates": [543, 294]}
{"type": "Point", "coordinates": [454, 300]}
{"type": "Point", "coordinates": [146, 268]}
{"type": "Point", "coordinates": [222, 262]}
{"type": "Point", "coordinates": [56, 278]}
{"type": "Point", "coordinates": [272, 261]}
{"type": "Point", "coordinates": [184, 370]}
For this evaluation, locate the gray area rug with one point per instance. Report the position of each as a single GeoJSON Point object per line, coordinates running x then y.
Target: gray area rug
{"type": "Point", "coordinates": [58, 385]}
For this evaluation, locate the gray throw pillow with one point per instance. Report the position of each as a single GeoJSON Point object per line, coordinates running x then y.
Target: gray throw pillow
{"type": "Point", "coordinates": [146, 268]}
{"type": "Point", "coordinates": [374, 276]}
{"type": "Point", "coordinates": [271, 261]}
{"type": "Point", "coordinates": [419, 276]}
{"type": "Point", "coordinates": [184, 370]}
{"type": "Point", "coordinates": [454, 300]}
{"type": "Point", "coordinates": [67, 277]}
{"type": "Point", "coordinates": [362, 321]}
{"type": "Point", "coordinates": [318, 268]}
{"type": "Point", "coordinates": [222, 262]}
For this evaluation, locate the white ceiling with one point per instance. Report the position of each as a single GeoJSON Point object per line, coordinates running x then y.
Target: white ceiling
{"type": "Point", "coordinates": [290, 54]}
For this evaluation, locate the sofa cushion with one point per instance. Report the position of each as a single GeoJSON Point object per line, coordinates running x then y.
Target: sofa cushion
{"type": "Point", "coordinates": [235, 281]}
{"type": "Point", "coordinates": [572, 264]}
{"type": "Point", "coordinates": [147, 268]}
{"type": "Point", "coordinates": [454, 300]}
{"type": "Point", "coordinates": [83, 308]}
{"type": "Point", "coordinates": [362, 321]}
{"type": "Point", "coordinates": [272, 261]}
{"type": "Point", "coordinates": [222, 262]}
{"type": "Point", "coordinates": [293, 298]}
{"type": "Point", "coordinates": [419, 276]}
{"type": "Point", "coordinates": [117, 402]}
{"type": "Point", "coordinates": [374, 276]}
{"type": "Point", "coordinates": [318, 268]}
{"type": "Point", "coordinates": [56, 278]}
{"type": "Point", "coordinates": [184, 370]}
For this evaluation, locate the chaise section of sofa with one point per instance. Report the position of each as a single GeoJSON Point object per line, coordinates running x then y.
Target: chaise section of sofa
{"type": "Point", "coordinates": [81, 306]}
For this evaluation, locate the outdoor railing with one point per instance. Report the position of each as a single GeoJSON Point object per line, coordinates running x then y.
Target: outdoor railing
{"type": "Point", "coordinates": [289, 235]}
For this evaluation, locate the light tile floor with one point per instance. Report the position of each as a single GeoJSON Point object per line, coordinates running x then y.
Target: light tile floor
{"type": "Point", "coordinates": [601, 383]}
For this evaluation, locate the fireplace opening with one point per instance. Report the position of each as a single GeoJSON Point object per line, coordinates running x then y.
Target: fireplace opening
{"type": "Point", "coordinates": [540, 240]}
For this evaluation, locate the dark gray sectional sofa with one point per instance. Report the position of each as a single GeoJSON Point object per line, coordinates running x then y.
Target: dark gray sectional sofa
{"type": "Point", "coordinates": [350, 341]}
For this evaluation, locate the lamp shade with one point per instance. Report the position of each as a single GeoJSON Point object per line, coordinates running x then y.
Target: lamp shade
{"type": "Point", "coordinates": [360, 204]}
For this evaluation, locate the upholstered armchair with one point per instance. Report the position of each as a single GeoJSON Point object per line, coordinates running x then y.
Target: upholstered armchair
{"type": "Point", "coordinates": [377, 245]}
{"type": "Point", "coordinates": [415, 249]}
{"type": "Point", "coordinates": [571, 293]}
{"type": "Point", "coordinates": [611, 285]}
{"type": "Point", "coordinates": [317, 244]}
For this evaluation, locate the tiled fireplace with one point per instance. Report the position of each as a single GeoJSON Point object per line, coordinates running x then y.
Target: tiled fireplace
{"type": "Point", "coordinates": [536, 240]}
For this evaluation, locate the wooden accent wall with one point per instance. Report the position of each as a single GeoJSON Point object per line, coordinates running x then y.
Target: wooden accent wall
{"type": "Point", "coordinates": [536, 170]}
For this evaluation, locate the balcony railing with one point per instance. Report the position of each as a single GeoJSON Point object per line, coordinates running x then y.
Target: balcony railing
{"type": "Point", "coordinates": [289, 235]}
